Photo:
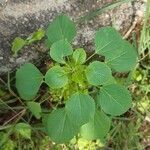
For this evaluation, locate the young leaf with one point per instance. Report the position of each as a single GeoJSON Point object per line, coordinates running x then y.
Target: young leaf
{"type": "Point", "coordinates": [98, 73]}
{"type": "Point", "coordinates": [35, 108]}
{"type": "Point", "coordinates": [79, 75]}
{"type": "Point", "coordinates": [97, 128]}
{"type": "Point", "coordinates": [28, 81]}
{"type": "Point", "coordinates": [36, 36]}
{"type": "Point", "coordinates": [81, 108]}
{"type": "Point", "coordinates": [114, 99]}
{"type": "Point", "coordinates": [59, 50]}
{"type": "Point", "coordinates": [24, 130]}
{"type": "Point", "coordinates": [123, 60]}
{"type": "Point", "coordinates": [56, 77]}
{"type": "Point", "coordinates": [17, 44]}
{"type": "Point", "coordinates": [61, 28]}
{"type": "Point", "coordinates": [107, 39]}
{"type": "Point", "coordinates": [59, 126]}
{"type": "Point", "coordinates": [79, 56]}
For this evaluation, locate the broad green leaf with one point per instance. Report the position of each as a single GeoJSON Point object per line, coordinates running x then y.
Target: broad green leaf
{"type": "Point", "coordinates": [59, 50]}
{"type": "Point", "coordinates": [59, 126]}
{"type": "Point", "coordinates": [114, 99]}
{"type": "Point", "coordinates": [56, 77]}
{"type": "Point", "coordinates": [81, 108]}
{"type": "Point", "coordinates": [36, 36]}
{"type": "Point", "coordinates": [98, 73]}
{"type": "Point", "coordinates": [28, 81]}
{"type": "Point", "coordinates": [24, 130]}
{"type": "Point", "coordinates": [61, 28]}
{"type": "Point", "coordinates": [119, 54]}
{"type": "Point", "coordinates": [107, 39]}
{"type": "Point", "coordinates": [17, 44]}
{"type": "Point", "coordinates": [35, 108]}
{"type": "Point", "coordinates": [97, 128]}
{"type": "Point", "coordinates": [79, 56]}
{"type": "Point", "coordinates": [123, 60]}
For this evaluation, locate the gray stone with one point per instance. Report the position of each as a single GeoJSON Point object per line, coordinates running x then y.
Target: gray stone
{"type": "Point", "coordinates": [22, 17]}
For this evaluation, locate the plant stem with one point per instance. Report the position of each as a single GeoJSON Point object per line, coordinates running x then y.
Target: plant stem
{"type": "Point", "coordinates": [11, 109]}
{"type": "Point", "coordinates": [21, 113]}
{"type": "Point", "coordinates": [90, 57]}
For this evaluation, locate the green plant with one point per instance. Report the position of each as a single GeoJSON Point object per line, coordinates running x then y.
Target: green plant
{"type": "Point", "coordinates": [88, 95]}
{"type": "Point", "coordinates": [21, 138]}
{"type": "Point", "coordinates": [19, 43]}
{"type": "Point", "coordinates": [129, 131]}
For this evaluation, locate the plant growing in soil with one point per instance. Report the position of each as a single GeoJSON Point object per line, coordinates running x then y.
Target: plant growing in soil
{"type": "Point", "coordinates": [86, 93]}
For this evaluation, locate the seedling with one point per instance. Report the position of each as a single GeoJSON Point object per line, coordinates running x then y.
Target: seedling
{"type": "Point", "coordinates": [88, 90]}
{"type": "Point", "coordinates": [19, 43]}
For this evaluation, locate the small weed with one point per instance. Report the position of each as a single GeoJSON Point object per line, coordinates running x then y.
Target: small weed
{"type": "Point", "coordinates": [78, 103]}
{"type": "Point", "coordinates": [88, 95]}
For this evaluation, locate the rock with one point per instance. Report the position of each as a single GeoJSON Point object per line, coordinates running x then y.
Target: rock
{"type": "Point", "coordinates": [22, 17]}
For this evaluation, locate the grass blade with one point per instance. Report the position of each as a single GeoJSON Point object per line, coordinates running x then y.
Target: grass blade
{"type": "Point", "coordinates": [99, 11]}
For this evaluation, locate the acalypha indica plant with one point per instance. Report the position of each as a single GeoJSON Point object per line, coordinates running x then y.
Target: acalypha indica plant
{"type": "Point", "coordinates": [88, 92]}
